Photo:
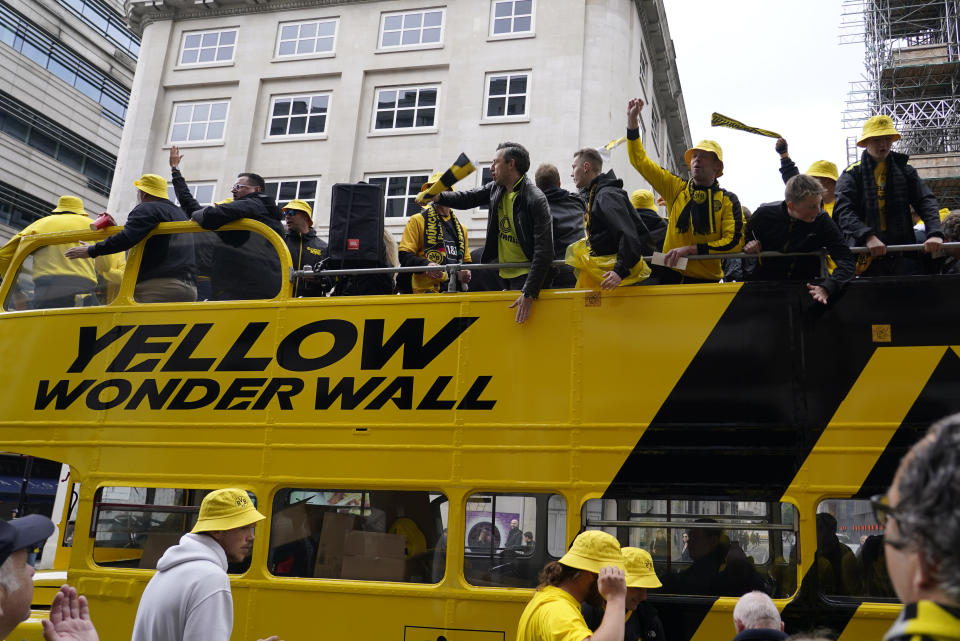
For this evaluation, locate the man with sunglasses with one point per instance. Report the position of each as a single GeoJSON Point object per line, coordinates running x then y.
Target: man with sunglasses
{"type": "Point", "coordinates": [920, 515]}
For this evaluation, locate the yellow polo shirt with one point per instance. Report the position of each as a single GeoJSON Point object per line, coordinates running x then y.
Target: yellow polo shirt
{"type": "Point", "coordinates": [552, 615]}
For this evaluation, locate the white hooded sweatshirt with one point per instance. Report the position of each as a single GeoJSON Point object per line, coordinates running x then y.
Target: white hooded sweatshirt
{"type": "Point", "coordinates": [188, 599]}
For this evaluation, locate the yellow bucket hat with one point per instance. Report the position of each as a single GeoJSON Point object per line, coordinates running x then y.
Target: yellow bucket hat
{"type": "Point", "coordinates": [640, 572]}
{"type": "Point", "coordinates": [69, 204]}
{"type": "Point", "coordinates": [824, 169]}
{"type": "Point", "coordinates": [152, 184]}
{"type": "Point", "coordinates": [300, 205]}
{"type": "Point", "coordinates": [225, 510]}
{"type": "Point", "coordinates": [643, 199]}
{"type": "Point", "coordinates": [434, 178]}
{"type": "Point", "coordinates": [706, 145]}
{"type": "Point", "coordinates": [592, 550]}
{"type": "Point", "coordinates": [944, 213]}
{"type": "Point", "coordinates": [877, 126]}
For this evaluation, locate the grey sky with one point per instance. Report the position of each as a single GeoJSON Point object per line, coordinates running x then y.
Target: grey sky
{"type": "Point", "coordinates": [774, 64]}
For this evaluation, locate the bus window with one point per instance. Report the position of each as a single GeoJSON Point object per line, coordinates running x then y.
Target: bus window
{"type": "Point", "coordinates": [849, 559]}
{"type": "Point", "coordinates": [367, 535]}
{"type": "Point", "coordinates": [47, 279]}
{"type": "Point", "coordinates": [230, 265]}
{"type": "Point", "coordinates": [710, 548]}
{"type": "Point", "coordinates": [510, 537]}
{"type": "Point", "coordinates": [133, 526]}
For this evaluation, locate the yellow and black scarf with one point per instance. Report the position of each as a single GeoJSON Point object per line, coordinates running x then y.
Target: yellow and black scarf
{"type": "Point", "coordinates": [701, 205]}
{"type": "Point", "coordinates": [433, 248]}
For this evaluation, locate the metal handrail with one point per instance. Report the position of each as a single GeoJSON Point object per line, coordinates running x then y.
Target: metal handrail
{"type": "Point", "coordinates": [453, 268]}
{"type": "Point", "coordinates": [676, 525]}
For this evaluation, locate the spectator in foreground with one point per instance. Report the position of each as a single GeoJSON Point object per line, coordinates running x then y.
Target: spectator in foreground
{"type": "Point", "coordinates": [592, 571]}
{"type": "Point", "coordinates": [756, 618]}
{"type": "Point", "coordinates": [921, 530]}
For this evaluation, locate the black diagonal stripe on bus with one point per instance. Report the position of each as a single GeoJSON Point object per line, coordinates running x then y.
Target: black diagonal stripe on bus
{"type": "Point", "coordinates": [939, 398]}
{"type": "Point", "coordinates": [681, 616]}
{"type": "Point", "coordinates": [766, 382]}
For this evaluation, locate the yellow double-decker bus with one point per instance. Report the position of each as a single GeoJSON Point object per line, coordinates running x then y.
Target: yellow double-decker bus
{"type": "Point", "coordinates": [420, 458]}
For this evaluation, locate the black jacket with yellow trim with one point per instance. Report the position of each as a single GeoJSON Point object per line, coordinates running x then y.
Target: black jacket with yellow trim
{"type": "Point", "coordinates": [726, 224]}
{"type": "Point", "coordinates": [306, 249]}
{"type": "Point", "coordinates": [531, 220]}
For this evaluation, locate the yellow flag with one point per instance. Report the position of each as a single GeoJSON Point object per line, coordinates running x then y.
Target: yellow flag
{"type": "Point", "coordinates": [719, 120]}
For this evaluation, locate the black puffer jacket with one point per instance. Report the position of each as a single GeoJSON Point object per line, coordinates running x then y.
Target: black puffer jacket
{"type": "Point", "coordinates": [166, 255]}
{"type": "Point", "coordinates": [245, 265]}
{"type": "Point", "coordinates": [614, 226]}
{"type": "Point", "coordinates": [531, 220]}
{"type": "Point", "coordinates": [567, 212]}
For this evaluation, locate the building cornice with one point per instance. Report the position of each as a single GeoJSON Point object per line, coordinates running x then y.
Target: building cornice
{"type": "Point", "coordinates": [666, 78]}
{"type": "Point", "coordinates": [140, 13]}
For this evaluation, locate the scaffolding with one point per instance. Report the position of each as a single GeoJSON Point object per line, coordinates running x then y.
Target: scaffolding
{"type": "Point", "coordinates": [912, 74]}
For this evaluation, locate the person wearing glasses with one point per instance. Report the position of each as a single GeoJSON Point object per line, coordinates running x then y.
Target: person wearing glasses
{"type": "Point", "coordinates": [920, 517]}
{"type": "Point", "coordinates": [244, 266]}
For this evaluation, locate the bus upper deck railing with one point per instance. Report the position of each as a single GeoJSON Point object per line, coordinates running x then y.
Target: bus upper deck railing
{"type": "Point", "coordinates": [452, 268]}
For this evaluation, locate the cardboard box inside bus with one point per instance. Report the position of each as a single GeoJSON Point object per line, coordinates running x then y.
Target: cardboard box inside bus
{"type": "Point", "coordinates": [374, 544]}
{"type": "Point", "coordinates": [333, 534]}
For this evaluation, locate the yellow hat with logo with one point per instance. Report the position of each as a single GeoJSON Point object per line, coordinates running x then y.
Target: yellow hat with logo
{"type": "Point", "coordinates": [69, 204]}
{"type": "Point", "coordinates": [300, 205]}
{"type": "Point", "coordinates": [643, 199]}
{"type": "Point", "coordinates": [944, 213]}
{"type": "Point", "coordinates": [824, 169]}
{"type": "Point", "coordinates": [877, 126]}
{"type": "Point", "coordinates": [152, 184]}
{"type": "Point", "coordinates": [434, 178]}
{"type": "Point", "coordinates": [592, 550]}
{"type": "Point", "coordinates": [226, 509]}
{"type": "Point", "coordinates": [706, 145]}
{"type": "Point", "coordinates": [639, 567]}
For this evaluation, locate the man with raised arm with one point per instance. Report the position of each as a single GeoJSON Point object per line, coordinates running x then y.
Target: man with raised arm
{"type": "Point", "coordinates": [703, 218]}
{"type": "Point", "coordinates": [874, 196]}
{"type": "Point", "coordinates": [799, 224]}
{"type": "Point", "coordinates": [591, 571]}
{"type": "Point", "coordinates": [824, 171]}
{"type": "Point", "coordinates": [519, 227]}
{"type": "Point", "coordinates": [920, 516]}
{"type": "Point", "coordinates": [168, 268]}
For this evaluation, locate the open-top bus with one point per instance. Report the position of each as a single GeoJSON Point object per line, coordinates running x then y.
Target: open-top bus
{"type": "Point", "coordinates": [392, 440]}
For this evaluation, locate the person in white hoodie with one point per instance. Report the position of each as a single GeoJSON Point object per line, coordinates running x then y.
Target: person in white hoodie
{"type": "Point", "coordinates": [189, 598]}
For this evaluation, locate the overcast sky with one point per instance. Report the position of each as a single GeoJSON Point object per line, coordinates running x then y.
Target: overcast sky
{"type": "Point", "coordinates": [773, 64]}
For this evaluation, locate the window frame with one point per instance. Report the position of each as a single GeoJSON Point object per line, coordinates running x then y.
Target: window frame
{"type": "Point", "coordinates": [381, 48]}
{"type": "Point", "coordinates": [298, 179]}
{"type": "Point", "coordinates": [288, 137]}
{"type": "Point", "coordinates": [395, 131]}
{"type": "Point", "coordinates": [198, 143]}
{"type": "Point", "coordinates": [214, 63]}
{"type": "Point", "coordinates": [278, 57]}
{"type": "Point", "coordinates": [525, 116]}
{"type": "Point", "coordinates": [368, 177]}
{"type": "Point", "coordinates": [512, 35]}
{"type": "Point", "coordinates": [194, 187]}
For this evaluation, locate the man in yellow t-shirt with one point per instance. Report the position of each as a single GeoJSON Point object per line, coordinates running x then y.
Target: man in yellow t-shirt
{"type": "Point", "coordinates": [590, 571]}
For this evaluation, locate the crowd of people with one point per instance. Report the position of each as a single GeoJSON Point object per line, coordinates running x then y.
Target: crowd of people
{"type": "Point", "coordinates": [597, 590]}
{"type": "Point", "coordinates": [601, 232]}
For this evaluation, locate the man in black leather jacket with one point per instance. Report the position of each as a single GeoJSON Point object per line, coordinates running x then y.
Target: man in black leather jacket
{"type": "Point", "coordinates": [567, 212]}
{"type": "Point", "coordinates": [519, 227]}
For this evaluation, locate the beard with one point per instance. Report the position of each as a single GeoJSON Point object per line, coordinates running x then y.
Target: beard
{"type": "Point", "coordinates": [593, 596]}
